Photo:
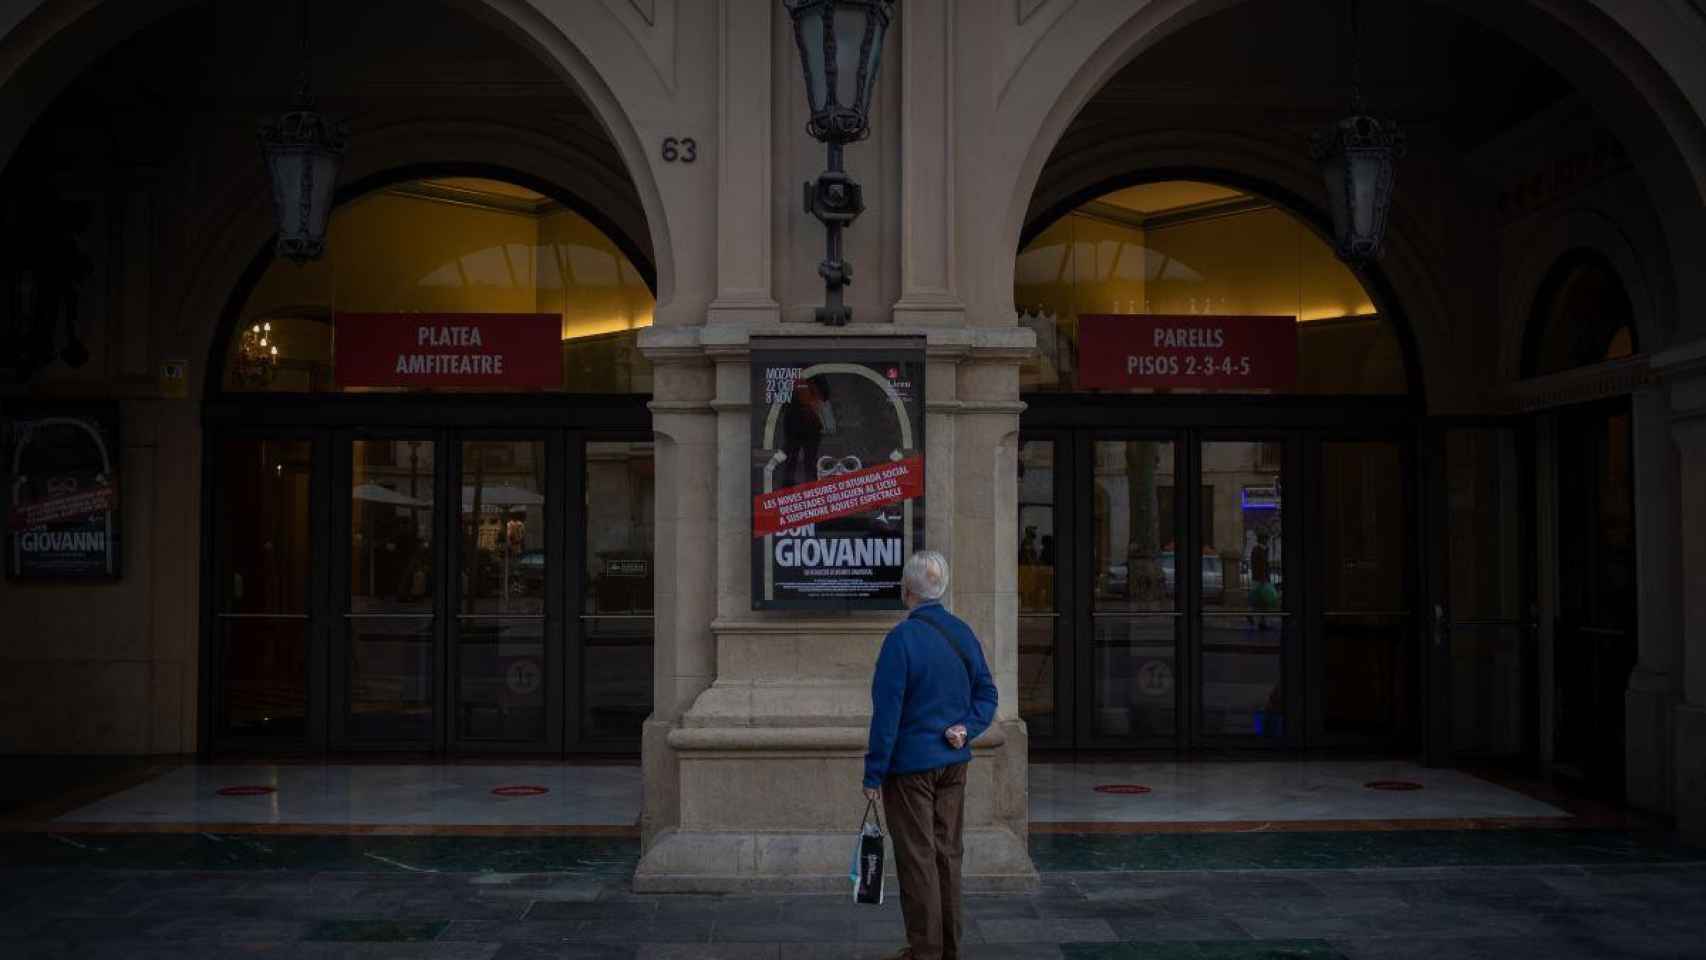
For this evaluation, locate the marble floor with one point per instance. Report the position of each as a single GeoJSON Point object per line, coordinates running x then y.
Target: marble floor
{"type": "Point", "coordinates": [1260, 791]}
{"type": "Point", "coordinates": [392, 795]}
{"type": "Point", "coordinates": [1203, 792]}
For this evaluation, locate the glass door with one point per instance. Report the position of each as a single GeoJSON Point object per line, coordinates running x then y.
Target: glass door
{"type": "Point", "coordinates": [504, 665]}
{"type": "Point", "coordinates": [263, 581]}
{"type": "Point", "coordinates": [1594, 641]}
{"type": "Point", "coordinates": [1363, 660]}
{"type": "Point", "coordinates": [1244, 596]}
{"type": "Point", "coordinates": [386, 655]}
{"type": "Point", "coordinates": [1129, 645]}
{"type": "Point", "coordinates": [1045, 610]}
{"type": "Point", "coordinates": [614, 639]}
{"type": "Point", "coordinates": [1479, 651]}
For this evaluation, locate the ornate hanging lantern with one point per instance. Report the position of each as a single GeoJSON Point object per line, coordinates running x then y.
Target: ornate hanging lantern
{"type": "Point", "coordinates": [841, 49]}
{"type": "Point", "coordinates": [304, 151]}
{"type": "Point", "coordinates": [1357, 155]}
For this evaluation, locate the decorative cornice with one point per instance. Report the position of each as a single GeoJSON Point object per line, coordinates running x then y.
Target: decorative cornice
{"type": "Point", "coordinates": [1614, 378]}
{"type": "Point", "coordinates": [732, 342]}
{"type": "Point", "coordinates": [737, 739]}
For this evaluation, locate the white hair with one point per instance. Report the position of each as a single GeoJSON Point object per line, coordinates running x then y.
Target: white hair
{"type": "Point", "coordinates": [925, 575]}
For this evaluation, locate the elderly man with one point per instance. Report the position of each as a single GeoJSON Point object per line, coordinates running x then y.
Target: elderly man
{"type": "Point", "coordinates": [931, 696]}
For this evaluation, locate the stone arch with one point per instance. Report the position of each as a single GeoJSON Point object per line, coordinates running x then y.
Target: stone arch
{"type": "Point", "coordinates": [1572, 232]}
{"type": "Point", "coordinates": [236, 248]}
{"type": "Point", "coordinates": [1404, 286]}
{"type": "Point", "coordinates": [1606, 52]}
{"type": "Point", "coordinates": [51, 42]}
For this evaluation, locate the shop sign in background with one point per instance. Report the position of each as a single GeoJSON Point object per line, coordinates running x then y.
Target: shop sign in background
{"type": "Point", "coordinates": [62, 493]}
{"type": "Point", "coordinates": [500, 351]}
{"type": "Point", "coordinates": [837, 472]}
{"type": "Point", "coordinates": [1190, 352]}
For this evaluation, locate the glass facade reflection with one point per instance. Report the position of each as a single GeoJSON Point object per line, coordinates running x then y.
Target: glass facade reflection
{"type": "Point", "coordinates": [454, 245]}
{"type": "Point", "coordinates": [262, 563]}
{"type": "Point", "coordinates": [1180, 247]}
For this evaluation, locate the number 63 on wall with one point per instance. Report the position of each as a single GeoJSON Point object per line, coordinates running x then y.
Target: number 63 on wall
{"type": "Point", "coordinates": [683, 149]}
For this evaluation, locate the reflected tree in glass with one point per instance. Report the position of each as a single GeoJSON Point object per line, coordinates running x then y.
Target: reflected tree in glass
{"type": "Point", "coordinates": [1144, 578]}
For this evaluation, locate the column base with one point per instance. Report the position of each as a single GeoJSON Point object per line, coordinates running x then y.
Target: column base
{"type": "Point", "coordinates": [996, 861]}
{"type": "Point", "coordinates": [1691, 773]}
{"type": "Point", "coordinates": [1648, 711]}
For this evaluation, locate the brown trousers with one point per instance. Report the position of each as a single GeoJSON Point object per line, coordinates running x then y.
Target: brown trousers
{"type": "Point", "coordinates": [924, 811]}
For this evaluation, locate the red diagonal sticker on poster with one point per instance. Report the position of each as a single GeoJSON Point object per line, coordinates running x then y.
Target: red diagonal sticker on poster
{"type": "Point", "coordinates": [837, 496]}
{"type": "Point", "coordinates": [34, 513]}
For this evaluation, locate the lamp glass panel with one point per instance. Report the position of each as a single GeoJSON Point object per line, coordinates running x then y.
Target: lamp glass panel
{"type": "Point", "coordinates": [1365, 193]}
{"type": "Point", "coordinates": [811, 37]}
{"type": "Point", "coordinates": [849, 41]}
{"type": "Point", "coordinates": [873, 65]}
{"type": "Point", "coordinates": [286, 169]}
{"type": "Point", "coordinates": [324, 186]}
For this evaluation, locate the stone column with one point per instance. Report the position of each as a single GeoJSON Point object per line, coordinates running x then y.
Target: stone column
{"type": "Point", "coordinates": [1684, 369]}
{"type": "Point", "coordinates": [745, 292]}
{"type": "Point", "coordinates": [684, 657]}
{"type": "Point", "coordinates": [1651, 698]}
{"type": "Point", "coordinates": [767, 760]}
{"type": "Point", "coordinates": [929, 286]}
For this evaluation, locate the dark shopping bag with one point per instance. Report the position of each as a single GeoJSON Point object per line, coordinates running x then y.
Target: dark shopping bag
{"type": "Point", "coordinates": [867, 871]}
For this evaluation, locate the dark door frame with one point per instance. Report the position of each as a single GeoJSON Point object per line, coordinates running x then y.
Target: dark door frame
{"type": "Point", "coordinates": [566, 422]}
{"type": "Point", "coordinates": [1432, 468]}
{"type": "Point", "coordinates": [1304, 424]}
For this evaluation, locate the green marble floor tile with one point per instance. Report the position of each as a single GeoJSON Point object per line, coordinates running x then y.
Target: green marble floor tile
{"type": "Point", "coordinates": [378, 931]}
{"type": "Point", "coordinates": [1204, 950]}
{"type": "Point", "coordinates": [1353, 850]}
{"type": "Point", "coordinates": [589, 857]}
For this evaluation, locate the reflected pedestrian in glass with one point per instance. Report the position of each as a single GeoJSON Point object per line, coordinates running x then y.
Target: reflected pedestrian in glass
{"type": "Point", "coordinates": [931, 696]}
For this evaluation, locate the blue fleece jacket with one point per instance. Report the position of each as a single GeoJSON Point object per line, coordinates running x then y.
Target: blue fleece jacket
{"type": "Point", "coordinates": [921, 688]}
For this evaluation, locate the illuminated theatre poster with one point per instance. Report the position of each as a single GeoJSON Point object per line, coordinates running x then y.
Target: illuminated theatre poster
{"type": "Point", "coordinates": [62, 494]}
{"type": "Point", "coordinates": [837, 472]}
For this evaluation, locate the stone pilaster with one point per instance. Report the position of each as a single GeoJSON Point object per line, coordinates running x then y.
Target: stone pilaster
{"type": "Point", "coordinates": [1651, 697]}
{"type": "Point", "coordinates": [684, 655]}
{"type": "Point", "coordinates": [764, 763]}
{"type": "Point", "coordinates": [745, 291]}
{"type": "Point", "coordinates": [1684, 371]}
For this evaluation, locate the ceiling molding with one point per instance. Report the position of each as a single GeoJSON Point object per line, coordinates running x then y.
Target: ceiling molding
{"type": "Point", "coordinates": [478, 199]}
{"type": "Point", "coordinates": [1176, 217]}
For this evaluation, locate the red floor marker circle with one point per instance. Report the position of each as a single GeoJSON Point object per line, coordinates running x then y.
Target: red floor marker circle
{"type": "Point", "coordinates": [247, 790]}
{"type": "Point", "coordinates": [521, 790]}
{"type": "Point", "coordinates": [1130, 789]}
{"type": "Point", "coordinates": [1393, 785]}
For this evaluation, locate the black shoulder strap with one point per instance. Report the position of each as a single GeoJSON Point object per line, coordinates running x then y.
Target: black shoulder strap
{"type": "Point", "coordinates": [971, 671]}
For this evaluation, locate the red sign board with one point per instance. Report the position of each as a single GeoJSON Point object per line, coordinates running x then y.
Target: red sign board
{"type": "Point", "coordinates": [1161, 352]}
{"type": "Point", "coordinates": [858, 491]}
{"type": "Point", "coordinates": [426, 350]}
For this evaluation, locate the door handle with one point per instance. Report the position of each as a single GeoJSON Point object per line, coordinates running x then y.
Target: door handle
{"type": "Point", "coordinates": [1442, 626]}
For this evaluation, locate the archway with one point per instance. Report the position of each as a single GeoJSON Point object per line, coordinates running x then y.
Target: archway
{"type": "Point", "coordinates": [1622, 79]}
{"type": "Point", "coordinates": [427, 530]}
{"type": "Point", "coordinates": [1582, 316]}
{"type": "Point", "coordinates": [55, 42]}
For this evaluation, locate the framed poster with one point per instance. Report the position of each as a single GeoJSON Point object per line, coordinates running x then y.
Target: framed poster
{"type": "Point", "coordinates": [62, 493]}
{"type": "Point", "coordinates": [837, 471]}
